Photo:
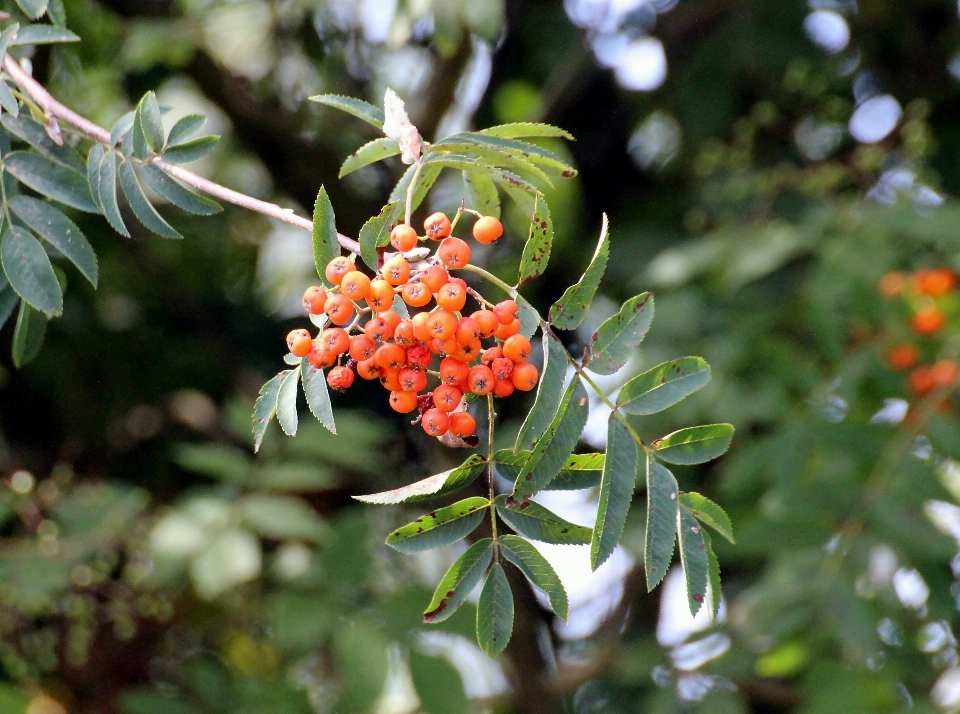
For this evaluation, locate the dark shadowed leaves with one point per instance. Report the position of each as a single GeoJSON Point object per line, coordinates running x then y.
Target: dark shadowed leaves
{"type": "Point", "coordinates": [52, 179]}
{"type": "Point", "coordinates": [28, 334]}
{"type": "Point", "coordinates": [140, 205]}
{"type": "Point", "coordinates": [178, 194]}
{"type": "Point", "coordinates": [59, 231]}
{"type": "Point", "coordinates": [30, 272]}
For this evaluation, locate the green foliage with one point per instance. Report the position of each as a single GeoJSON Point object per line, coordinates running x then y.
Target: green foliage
{"type": "Point", "coordinates": [326, 246]}
{"type": "Point", "coordinates": [495, 612]}
{"type": "Point", "coordinates": [568, 312]}
{"type": "Point", "coordinates": [440, 527]}
{"type": "Point", "coordinates": [432, 486]}
{"type": "Point", "coordinates": [616, 490]}
{"type": "Point", "coordinates": [616, 340]}
{"type": "Point", "coordinates": [459, 581]}
{"type": "Point", "coordinates": [375, 233]}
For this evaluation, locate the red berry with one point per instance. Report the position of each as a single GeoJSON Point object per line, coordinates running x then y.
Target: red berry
{"type": "Point", "coordinates": [362, 348]}
{"type": "Point", "coordinates": [452, 297]}
{"type": "Point", "coordinates": [314, 299]}
{"type": "Point", "coordinates": [435, 422]}
{"type": "Point", "coordinates": [487, 229]}
{"type": "Point", "coordinates": [335, 339]}
{"type": "Point", "coordinates": [435, 277]}
{"type": "Point", "coordinates": [446, 398]}
{"type": "Point", "coordinates": [391, 356]}
{"type": "Point", "coordinates": [412, 380]}
{"type": "Point", "coordinates": [508, 330]}
{"type": "Point", "coordinates": [461, 424]}
{"type": "Point", "coordinates": [453, 371]}
{"type": "Point", "coordinates": [340, 378]}
{"type": "Point", "coordinates": [516, 348]}
{"type": "Point", "coordinates": [419, 356]}
{"type": "Point", "coordinates": [481, 380]}
{"type": "Point", "coordinates": [503, 388]}
{"type": "Point", "coordinates": [339, 309]}
{"type": "Point", "coordinates": [454, 253]}
{"type": "Point", "coordinates": [502, 368]}
{"type": "Point", "coordinates": [437, 226]}
{"type": "Point", "coordinates": [337, 268]}
{"type": "Point", "coordinates": [396, 271]}
{"type": "Point", "coordinates": [299, 343]}
{"type": "Point", "coordinates": [403, 238]}
{"type": "Point", "coordinates": [403, 402]}
{"type": "Point", "coordinates": [506, 311]}
{"type": "Point", "coordinates": [524, 376]}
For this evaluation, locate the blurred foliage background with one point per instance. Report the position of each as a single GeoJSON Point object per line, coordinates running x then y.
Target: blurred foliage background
{"type": "Point", "coordinates": [763, 164]}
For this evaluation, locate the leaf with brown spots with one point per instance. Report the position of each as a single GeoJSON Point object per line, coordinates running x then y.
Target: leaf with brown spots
{"type": "Point", "coordinates": [536, 522]}
{"type": "Point", "coordinates": [616, 340]}
{"type": "Point", "coordinates": [441, 527]}
{"type": "Point", "coordinates": [459, 581]}
{"type": "Point", "coordinates": [693, 555]}
{"type": "Point", "coordinates": [536, 252]}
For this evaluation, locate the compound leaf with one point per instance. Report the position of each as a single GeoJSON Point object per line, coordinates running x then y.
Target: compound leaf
{"type": "Point", "coordinates": [287, 402]}
{"type": "Point", "coordinates": [536, 251]}
{"type": "Point", "coordinates": [440, 527]}
{"type": "Point", "coordinates": [52, 179]}
{"type": "Point", "coordinates": [178, 194]}
{"type": "Point", "coordinates": [107, 191]}
{"type": "Point", "coordinates": [495, 612]}
{"type": "Point", "coordinates": [616, 490]}
{"type": "Point", "coordinates": [693, 556]}
{"type": "Point", "coordinates": [549, 392]}
{"type": "Point", "coordinates": [42, 35]}
{"type": "Point", "coordinates": [266, 407]}
{"type": "Point", "coordinates": [662, 507]}
{"type": "Point", "coordinates": [519, 130]}
{"type": "Point", "coordinates": [538, 523]}
{"type": "Point", "coordinates": [369, 153]}
{"type": "Point", "coordinates": [537, 570]}
{"type": "Point", "coordinates": [191, 150]}
{"type": "Point", "coordinates": [356, 107]}
{"type": "Point", "coordinates": [318, 397]}
{"type": "Point", "coordinates": [375, 233]}
{"type": "Point", "coordinates": [326, 245]}
{"type": "Point", "coordinates": [459, 581]}
{"type": "Point", "coordinates": [28, 334]}
{"type": "Point", "coordinates": [482, 193]}
{"type": "Point", "coordinates": [30, 272]}
{"type": "Point", "coordinates": [59, 231]}
{"type": "Point", "coordinates": [664, 385]}
{"type": "Point", "coordinates": [185, 128]}
{"type": "Point", "coordinates": [708, 513]}
{"type": "Point", "coordinates": [151, 122]}
{"type": "Point", "coordinates": [694, 445]}
{"type": "Point", "coordinates": [140, 205]}
{"type": "Point", "coordinates": [617, 338]}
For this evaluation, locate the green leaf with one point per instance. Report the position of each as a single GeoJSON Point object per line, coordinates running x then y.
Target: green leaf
{"type": "Point", "coordinates": [93, 171]}
{"type": "Point", "coordinates": [489, 156]}
{"type": "Point", "coordinates": [568, 312]}
{"type": "Point", "coordinates": [713, 578]}
{"type": "Point", "coordinates": [375, 233]}
{"type": "Point", "coordinates": [482, 194]}
{"type": "Point", "coordinates": [219, 462]}
{"type": "Point", "coordinates": [151, 122]}
{"type": "Point", "coordinates": [29, 271]}
{"type": "Point", "coordinates": [57, 13]}
{"type": "Point", "coordinates": [529, 317]}
{"type": "Point", "coordinates": [42, 35]}
{"type": "Point", "coordinates": [59, 231]}
{"type": "Point", "coordinates": [140, 205]}
{"type": "Point", "coordinates": [281, 517]}
{"type": "Point", "coordinates": [462, 162]}
{"type": "Point", "coordinates": [178, 194]}
{"type": "Point", "coordinates": [51, 179]}
{"type": "Point", "coordinates": [661, 533]}
{"type": "Point", "coordinates": [432, 486]}
{"type": "Point", "coordinates": [615, 341]}
{"type": "Point", "coordinates": [28, 335]}
{"type": "Point", "coordinates": [266, 407]}
{"type": "Point", "coordinates": [538, 523]}
{"type": "Point", "coordinates": [693, 555]}
{"type": "Point", "coordinates": [536, 251]}
{"type": "Point", "coordinates": [350, 105]}
{"type": "Point", "coordinates": [6, 37]}
{"type": "Point", "coordinates": [578, 472]}
{"type": "Point", "coordinates": [520, 130]}
{"type": "Point", "coordinates": [556, 444]}
{"type": "Point", "coordinates": [34, 9]}
{"type": "Point", "coordinates": [459, 581]}
{"type": "Point", "coordinates": [616, 490]}
{"type": "Point", "coordinates": [186, 128]}
{"type": "Point", "coordinates": [523, 149]}
{"type": "Point", "coordinates": [8, 301]}
{"type": "Point", "coordinates": [400, 307]}
{"type": "Point", "coordinates": [708, 513]}
{"type": "Point", "coordinates": [549, 392]}
{"type": "Point", "coordinates": [121, 127]}
{"type": "Point", "coordinates": [318, 397]}
{"type": "Point", "coordinates": [369, 153]}
{"type": "Point", "coordinates": [287, 402]}
{"type": "Point", "coordinates": [440, 527]}
{"type": "Point", "coordinates": [191, 150]}
{"type": "Point", "coordinates": [495, 612]}
{"type": "Point", "coordinates": [7, 100]}
{"type": "Point", "coordinates": [35, 134]}
{"type": "Point", "coordinates": [520, 196]}
{"type": "Point", "coordinates": [426, 179]}
{"type": "Point", "coordinates": [694, 445]}
{"type": "Point", "coordinates": [326, 246]}
{"type": "Point", "coordinates": [107, 191]}
{"type": "Point", "coordinates": [537, 570]}
{"type": "Point", "coordinates": [141, 149]}
{"type": "Point", "coordinates": [663, 386]}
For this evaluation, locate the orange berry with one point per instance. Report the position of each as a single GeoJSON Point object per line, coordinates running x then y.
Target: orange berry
{"type": "Point", "coordinates": [921, 381]}
{"type": "Point", "coordinates": [516, 348]}
{"type": "Point", "coordinates": [437, 226]}
{"type": "Point", "coordinates": [435, 422]}
{"type": "Point", "coordinates": [392, 319]}
{"type": "Point", "coordinates": [446, 397]}
{"type": "Point", "coordinates": [340, 378]}
{"type": "Point", "coordinates": [928, 320]}
{"type": "Point", "coordinates": [390, 356]}
{"type": "Point", "coordinates": [396, 271]}
{"type": "Point", "coordinates": [486, 321]}
{"type": "Point", "coordinates": [892, 284]}
{"type": "Point", "coordinates": [390, 379]}
{"type": "Point", "coordinates": [506, 311]}
{"type": "Point", "coordinates": [452, 297]}
{"type": "Point", "coordinates": [403, 238]}
{"type": "Point", "coordinates": [447, 348]}
{"type": "Point", "coordinates": [376, 329]}
{"type": "Point", "coordinates": [435, 277]}
{"type": "Point", "coordinates": [503, 388]}
{"type": "Point", "coordinates": [502, 368]}
{"type": "Point", "coordinates": [945, 372]}
{"type": "Point", "coordinates": [935, 283]}
{"type": "Point", "coordinates": [299, 343]}
{"type": "Point", "coordinates": [335, 339]}
{"type": "Point", "coordinates": [369, 369]}
{"type": "Point", "coordinates": [320, 358]}
{"type": "Point", "coordinates": [420, 330]}
{"type": "Point", "coordinates": [524, 376]}
{"type": "Point", "coordinates": [337, 268]}
{"type": "Point", "coordinates": [313, 299]}
{"type": "Point", "coordinates": [903, 356]}
{"type": "Point", "coordinates": [508, 330]}
{"type": "Point", "coordinates": [487, 229]}
{"type": "Point", "coordinates": [467, 330]}
{"type": "Point", "coordinates": [380, 298]}
{"type": "Point", "coordinates": [403, 402]}
{"type": "Point", "coordinates": [412, 380]}
{"type": "Point", "coordinates": [468, 352]}
{"type": "Point", "coordinates": [441, 324]}
{"type": "Point", "coordinates": [339, 309]}
{"type": "Point", "coordinates": [453, 371]}
{"type": "Point", "coordinates": [404, 334]}
{"type": "Point", "coordinates": [362, 348]}
{"type": "Point", "coordinates": [461, 424]}
{"type": "Point", "coordinates": [481, 380]}
{"type": "Point", "coordinates": [355, 285]}
{"type": "Point", "coordinates": [490, 354]}
{"type": "Point", "coordinates": [454, 253]}
{"type": "Point", "coordinates": [416, 294]}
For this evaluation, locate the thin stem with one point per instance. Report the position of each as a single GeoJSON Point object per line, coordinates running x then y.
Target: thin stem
{"type": "Point", "coordinates": [490, 488]}
{"type": "Point", "coordinates": [510, 290]}
{"type": "Point", "coordinates": [51, 107]}
{"type": "Point", "coordinates": [410, 190]}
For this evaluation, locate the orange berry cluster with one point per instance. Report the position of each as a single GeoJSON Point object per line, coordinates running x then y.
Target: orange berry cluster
{"type": "Point", "coordinates": [930, 297]}
{"type": "Point", "coordinates": [401, 352]}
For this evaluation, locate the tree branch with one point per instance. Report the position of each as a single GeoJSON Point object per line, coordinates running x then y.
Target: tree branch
{"type": "Point", "coordinates": [52, 108]}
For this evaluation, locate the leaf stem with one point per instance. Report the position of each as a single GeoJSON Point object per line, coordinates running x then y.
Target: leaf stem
{"type": "Point", "coordinates": [490, 486]}
{"type": "Point", "coordinates": [52, 107]}
{"type": "Point", "coordinates": [509, 289]}
{"type": "Point", "coordinates": [410, 190]}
